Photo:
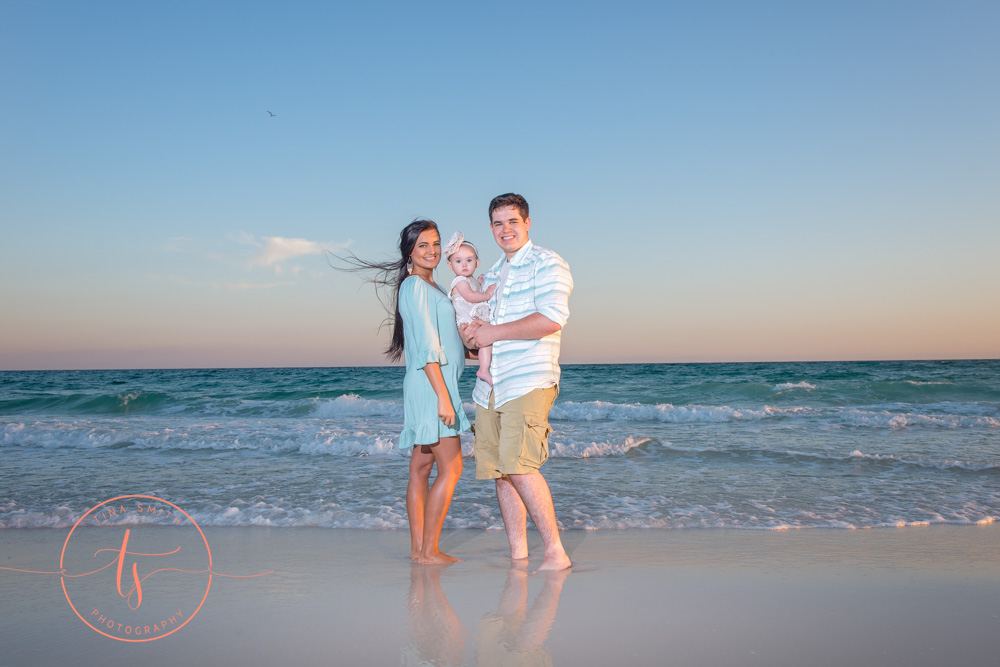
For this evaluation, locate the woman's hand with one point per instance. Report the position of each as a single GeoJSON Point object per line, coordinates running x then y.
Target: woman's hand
{"type": "Point", "coordinates": [446, 412]}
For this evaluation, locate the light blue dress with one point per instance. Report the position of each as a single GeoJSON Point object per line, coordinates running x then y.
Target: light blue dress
{"type": "Point", "coordinates": [429, 334]}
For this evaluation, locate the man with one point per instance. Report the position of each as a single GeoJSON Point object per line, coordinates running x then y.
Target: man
{"type": "Point", "coordinates": [512, 416]}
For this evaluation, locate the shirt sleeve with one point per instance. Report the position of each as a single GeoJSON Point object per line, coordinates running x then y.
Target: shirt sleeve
{"type": "Point", "coordinates": [553, 284]}
{"type": "Point", "coordinates": [420, 331]}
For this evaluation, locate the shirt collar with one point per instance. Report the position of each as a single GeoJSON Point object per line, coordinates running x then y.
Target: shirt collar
{"type": "Point", "coordinates": [519, 256]}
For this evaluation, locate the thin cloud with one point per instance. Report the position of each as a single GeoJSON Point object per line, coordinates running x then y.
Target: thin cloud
{"type": "Point", "coordinates": [273, 250]}
{"type": "Point", "coordinates": [278, 255]}
{"type": "Point", "coordinates": [278, 249]}
{"type": "Point", "coordinates": [280, 271]}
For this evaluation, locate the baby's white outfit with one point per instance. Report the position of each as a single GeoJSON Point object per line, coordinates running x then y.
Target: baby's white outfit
{"type": "Point", "coordinates": [465, 311]}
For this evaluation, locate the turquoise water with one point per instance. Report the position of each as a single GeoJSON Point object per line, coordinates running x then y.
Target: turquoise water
{"type": "Point", "coordinates": [764, 446]}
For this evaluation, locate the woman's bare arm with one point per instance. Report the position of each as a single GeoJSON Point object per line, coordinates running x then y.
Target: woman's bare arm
{"type": "Point", "coordinates": [445, 410]}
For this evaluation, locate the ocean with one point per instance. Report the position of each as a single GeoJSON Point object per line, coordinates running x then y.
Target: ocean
{"type": "Point", "coordinates": [768, 446]}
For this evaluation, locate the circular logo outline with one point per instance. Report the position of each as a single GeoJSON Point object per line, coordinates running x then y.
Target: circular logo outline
{"type": "Point", "coordinates": [62, 557]}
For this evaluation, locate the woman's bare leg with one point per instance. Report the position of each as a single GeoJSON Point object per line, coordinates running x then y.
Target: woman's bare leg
{"type": "Point", "coordinates": [447, 455]}
{"type": "Point", "coordinates": [421, 463]}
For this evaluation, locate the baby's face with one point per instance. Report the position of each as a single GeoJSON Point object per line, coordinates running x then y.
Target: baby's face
{"type": "Point", "coordinates": [464, 262]}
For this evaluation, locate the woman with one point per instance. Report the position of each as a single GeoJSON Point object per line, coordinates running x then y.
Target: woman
{"type": "Point", "coordinates": [423, 327]}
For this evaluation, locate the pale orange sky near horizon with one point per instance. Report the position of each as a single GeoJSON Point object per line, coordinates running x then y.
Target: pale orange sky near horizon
{"type": "Point", "coordinates": [592, 336]}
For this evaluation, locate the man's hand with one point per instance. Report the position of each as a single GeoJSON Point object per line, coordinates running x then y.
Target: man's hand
{"type": "Point", "coordinates": [478, 334]}
{"type": "Point", "coordinates": [485, 334]}
{"type": "Point", "coordinates": [467, 331]}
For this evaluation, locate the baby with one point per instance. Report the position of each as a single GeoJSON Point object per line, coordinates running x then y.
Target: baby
{"type": "Point", "coordinates": [471, 303]}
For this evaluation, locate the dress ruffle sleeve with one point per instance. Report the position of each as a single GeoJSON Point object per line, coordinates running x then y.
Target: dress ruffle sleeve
{"type": "Point", "coordinates": [451, 288]}
{"type": "Point", "coordinates": [421, 331]}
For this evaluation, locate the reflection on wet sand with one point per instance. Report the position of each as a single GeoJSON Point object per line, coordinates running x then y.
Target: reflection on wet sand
{"type": "Point", "coordinates": [512, 635]}
{"type": "Point", "coordinates": [436, 635]}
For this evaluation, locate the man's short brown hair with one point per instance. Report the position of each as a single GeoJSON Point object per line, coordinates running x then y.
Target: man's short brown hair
{"type": "Point", "coordinates": [510, 199]}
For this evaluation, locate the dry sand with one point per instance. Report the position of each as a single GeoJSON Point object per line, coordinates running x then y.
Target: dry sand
{"type": "Point", "coordinates": [910, 596]}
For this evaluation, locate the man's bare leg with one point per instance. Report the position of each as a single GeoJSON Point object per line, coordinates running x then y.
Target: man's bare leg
{"type": "Point", "coordinates": [515, 518]}
{"type": "Point", "coordinates": [534, 494]}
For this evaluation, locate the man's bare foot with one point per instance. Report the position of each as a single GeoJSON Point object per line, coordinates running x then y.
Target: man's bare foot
{"type": "Point", "coordinates": [556, 561]}
{"type": "Point", "coordinates": [484, 375]}
{"type": "Point", "coordinates": [437, 558]}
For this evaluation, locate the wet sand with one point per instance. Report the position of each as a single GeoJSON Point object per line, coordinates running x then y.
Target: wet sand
{"type": "Point", "coordinates": [909, 596]}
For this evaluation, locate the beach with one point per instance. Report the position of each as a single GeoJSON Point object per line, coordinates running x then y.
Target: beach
{"type": "Point", "coordinates": [717, 514]}
{"type": "Point", "coordinates": [911, 596]}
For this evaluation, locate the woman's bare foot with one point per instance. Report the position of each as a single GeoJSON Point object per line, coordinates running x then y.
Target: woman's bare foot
{"type": "Point", "coordinates": [484, 375]}
{"type": "Point", "coordinates": [437, 558]}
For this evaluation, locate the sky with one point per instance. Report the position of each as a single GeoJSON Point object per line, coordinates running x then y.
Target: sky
{"type": "Point", "coordinates": [729, 181]}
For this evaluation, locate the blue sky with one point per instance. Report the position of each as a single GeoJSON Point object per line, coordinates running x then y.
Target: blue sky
{"type": "Point", "coordinates": [728, 180]}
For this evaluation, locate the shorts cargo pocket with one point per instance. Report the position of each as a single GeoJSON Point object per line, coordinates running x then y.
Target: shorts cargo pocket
{"type": "Point", "coordinates": [535, 443]}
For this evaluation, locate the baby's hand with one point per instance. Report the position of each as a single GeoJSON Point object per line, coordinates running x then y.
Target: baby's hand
{"type": "Point", "coordinates": [480, 281]}
{"type": "Point", "coordinates": [489, 290]}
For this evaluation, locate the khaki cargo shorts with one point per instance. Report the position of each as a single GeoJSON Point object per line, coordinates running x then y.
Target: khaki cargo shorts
{"type": "Point", "coordinates": [514, 438]}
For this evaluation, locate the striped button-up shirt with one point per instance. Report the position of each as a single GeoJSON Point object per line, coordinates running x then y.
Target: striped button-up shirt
{"type": "Point", "coordinates": [538, 281]}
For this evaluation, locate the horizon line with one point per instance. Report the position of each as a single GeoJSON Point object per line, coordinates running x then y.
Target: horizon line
{"type": "Point", "coordinates": [403, 365]}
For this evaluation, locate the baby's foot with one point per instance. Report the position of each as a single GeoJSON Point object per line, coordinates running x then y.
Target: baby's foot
{"type": "Point", "coordinates": [484, 375]}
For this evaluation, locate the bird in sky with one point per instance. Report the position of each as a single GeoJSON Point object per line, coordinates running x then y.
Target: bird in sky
{"type": "Point", "coordinates": [272, 115]}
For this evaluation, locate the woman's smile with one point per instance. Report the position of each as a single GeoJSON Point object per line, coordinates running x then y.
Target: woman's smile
{"type": "Point", "coordinates": [426, 252]}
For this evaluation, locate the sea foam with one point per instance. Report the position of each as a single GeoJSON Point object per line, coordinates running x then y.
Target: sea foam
{"type": "Point", "coordinates": [664, 412]}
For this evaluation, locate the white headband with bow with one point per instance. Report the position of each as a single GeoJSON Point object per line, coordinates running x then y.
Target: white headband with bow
{"type": "Point", "coordinates": [456, 241]}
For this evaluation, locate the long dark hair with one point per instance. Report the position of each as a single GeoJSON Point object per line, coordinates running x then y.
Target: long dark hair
{"type": "Point", "coordinates": [389, 276]}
